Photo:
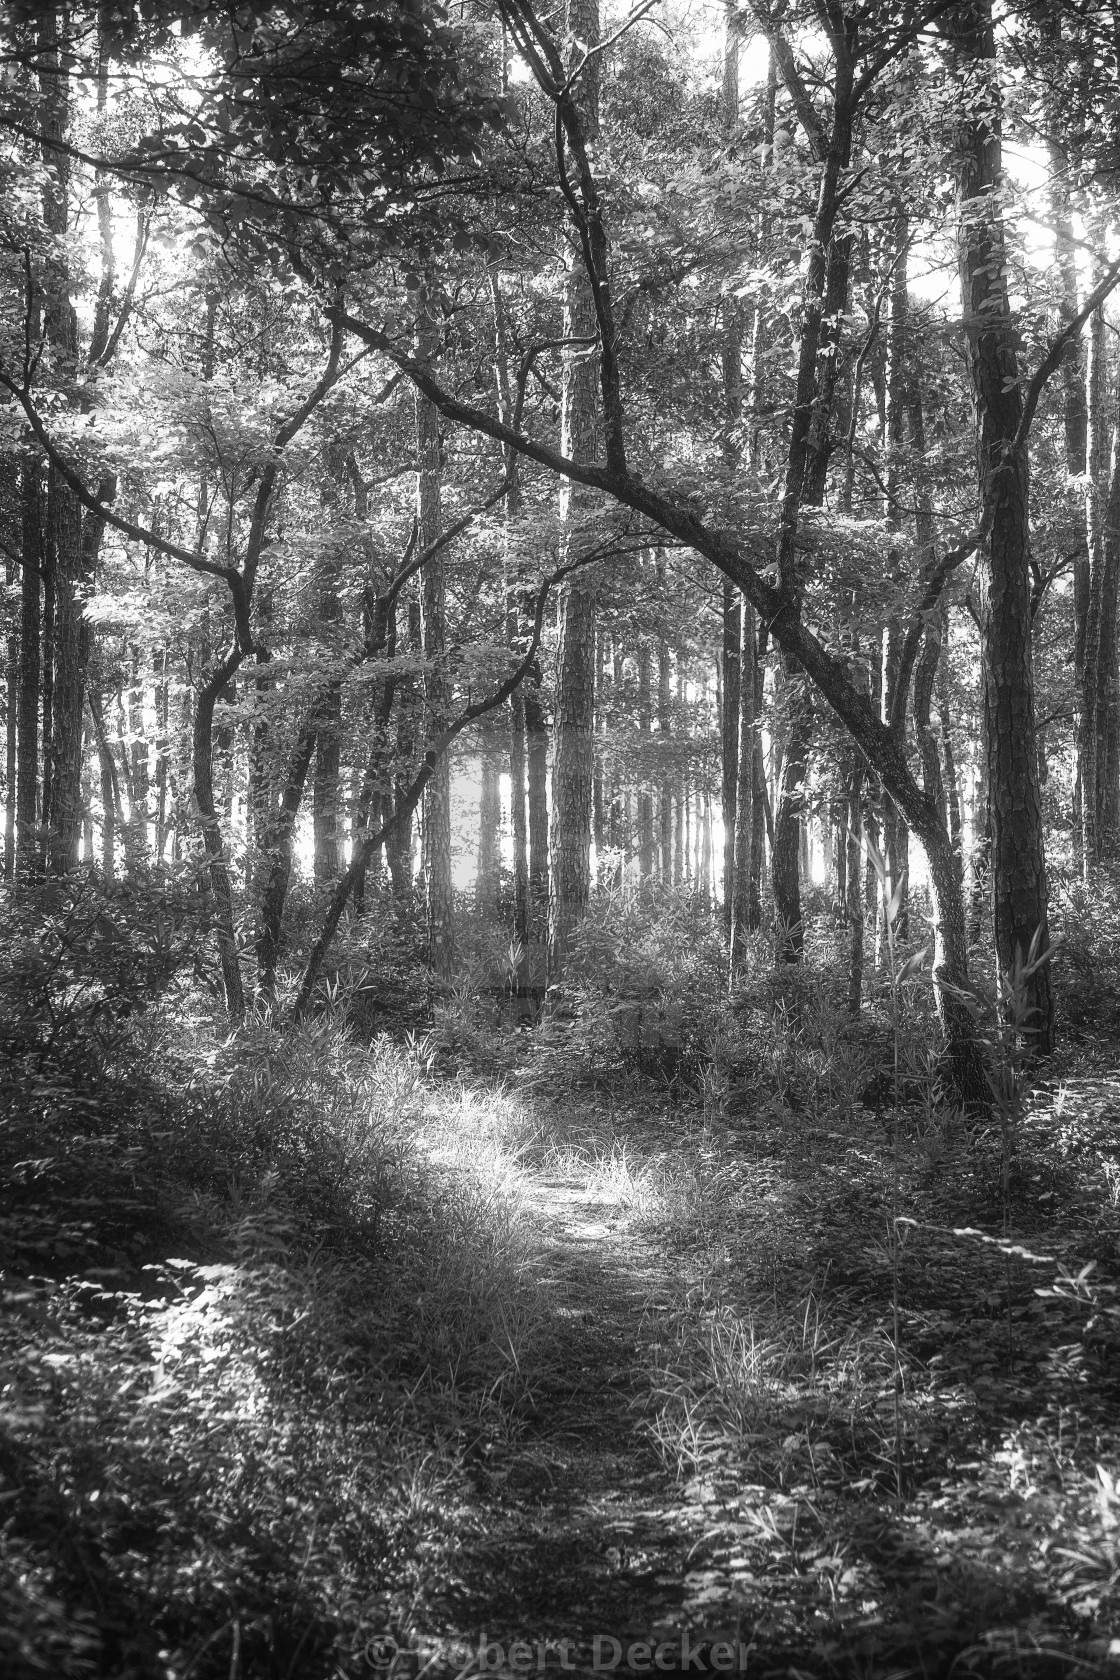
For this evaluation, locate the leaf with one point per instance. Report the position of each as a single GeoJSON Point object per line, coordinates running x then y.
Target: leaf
{"type": "Point", "coordinates": [878, 861]}
{"type": "Point", "coordinates": [913, 964]}
{"type": "Point", "coordinates": [896, 899]}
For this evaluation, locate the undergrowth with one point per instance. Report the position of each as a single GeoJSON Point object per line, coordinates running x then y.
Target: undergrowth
{"type": "Point", "coordinates": [275, 1307]}
{"type": "Point", "coordinates": [266, 1298]}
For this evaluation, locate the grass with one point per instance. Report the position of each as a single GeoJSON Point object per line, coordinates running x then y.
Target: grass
{"type": "Point", "coordinates": [265, 1300]}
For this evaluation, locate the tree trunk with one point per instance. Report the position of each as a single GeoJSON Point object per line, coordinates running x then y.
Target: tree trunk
{"type": "Point", "coordinates": [575, 657]}
{"type": "Point", "coordinates": [759, 809]}
{"type": "Point", "coordinates": [645, 797]}
{"type": "Point", "coordinates": [76, 545]}
{"type": "Point", "coordinates": [664, 730]}
{"type": "Point", "coordinates": [729, 738]}
{"type": "Point", "coordinates": [1075, 428]}
{"type": "Point", "coordinates": [895, 830]}
{"type": "Point", "coordinates": [72, 637]}
{"type": "Point", "coordinates": [680, 836]}
{"type": "Point", "coordinates": [1108, 675]}
{"type": "Point", "coordinates": [536, 763]}
{"type": "Point", "coordinates": [27, 723]}
{"type": "Point", "coordinates": [854, 896]}
{"type": "Point", "coordinates": [163, 751]}
{"type": "Point", "coordinates": [110, 792]}
{"type": "Point", "coordinates": [981, 887]}
{"type": "Point", "coordinates": [944, 714]}
{"type": "Point", "coordinates": [597, 810]}
{"type": "Point", "coordinates": [1097, 732]}
{"type": "Point", "coordinates": [278, 852]}
{"type": "Point", "coordinates": [744, 794]}
{"type": "Point", "coordinates": [787, 824]}
{"type": "Point", "coordinates": [220, 883]}
{"type": "Point", "coordinates": [488, 878]}
{"type": "Point", "coordinates": [522, 915]}
{"type": "Point", "coordinates": [437, 689]}
{"type": "Point", "coordinates": [704, 864]}
{"type": "Point", "coordinates": [140, 779]}
{"type": "Point", "coordinates": [10, 716]}
{"type": "Point", "coordinates": [326, 791]}
{"type": "Point", "coordinates": [991, 336]}
{"type": "Point", "coordinates": [518, 737]}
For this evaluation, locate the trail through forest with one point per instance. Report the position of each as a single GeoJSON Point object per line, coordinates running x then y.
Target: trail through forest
{"type": "Point", "coordinates": [777, 1546]}
{"type": "Point", "coordinates": [488, 1353]}
{"type": "Point", "coordinates": [586, 1532]}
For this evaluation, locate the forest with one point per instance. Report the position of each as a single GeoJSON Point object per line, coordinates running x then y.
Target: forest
{"type": "Point", "coordinates": [560, 894]}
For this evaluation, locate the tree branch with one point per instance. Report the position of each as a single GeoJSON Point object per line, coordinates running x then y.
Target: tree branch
{"type": "Point", "coordinates": [1053, 356]}
{"type": "Point", "coordinates": [794, 85]}
{"type": "Point", "coordinates": [137, 533]}
{"type": "Point", "coordinates": [935, 583]}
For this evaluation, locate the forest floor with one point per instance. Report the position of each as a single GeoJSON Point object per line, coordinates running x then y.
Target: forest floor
{"type": "Point", "coordinates": [325, 1360]}
{"type": "Point", "coordinates": [710, 1469]}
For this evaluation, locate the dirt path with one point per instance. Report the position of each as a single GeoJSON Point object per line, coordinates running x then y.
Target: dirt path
{"type": "Point", "coordinates": [583, 1531]}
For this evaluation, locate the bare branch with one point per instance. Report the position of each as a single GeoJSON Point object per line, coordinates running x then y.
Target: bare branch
{"type": "Point", "coordinates": [143, 227]}
{"type": "Point", "coordinates": [636, 16]}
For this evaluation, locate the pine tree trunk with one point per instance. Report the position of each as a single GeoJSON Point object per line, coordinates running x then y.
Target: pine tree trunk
{"type": "Point", "coordinates": [519, 821]}
{"type": "Point", "coordinates": [895, 831]}
{"type": "Point", "coordinates": [991, 336]}
{"type": "Point", "coordinates": [518, 737]}
{"type": "Point", "coordinates": [536, 764]}
{"type": "Point", "coordinates": [278, 853]}
{"type": "Point", "coordinates": [140, 780]}
{"type": "Point", "coordinates": [759, 811]}
{"type": "Point", "coordinates": [71, 640]}
{"type": "Point", "coordinates": [110, 795]}
{"type": "Point", "coordinates": [981, 884]}
{"type": "Point", "coordinates": [745, 793]}
{"type": "Point", "coordinates": [437, 691]}
{"type": "Point", "coordinates": [488, 877]}
{"type": "Point", "coordinates": [10, 722]}
{"type": "Point", "coordinates": [575, 657]}
{"type": "Point", "coordinates": [75, 550]}
{"type": "Point", "coordinates": [788, 821]}
{"type": "Point", "coordinates": [664, 730]}
{"type": "Point", "coordinates": [220, 884]}
{"type": "Point", "coordinates": [944, 715]}
{"type": "Point", "coordinates": [1108, 674]}
{"type": "Point", "coordinates": [1075, 430]}
{"type": "Point", "coordinates": [326, 787]}
{"type": "Point", "coordinates": [27, 723]}
{"type": "Point", "coordinates": [854, 903]}
{"type": "Point", "coordinates": [732, 360]}
{"type": "Point", "coordinates": [729, 740]}
{"type": "Point", "coordinates": [680, 837]}
{"type": "Point", "coordinates": [399, 847]}
{"type": "Point", "coordinates": [704, 867]}
{"type": "Point", "coordinates": [1097, 740]}
{"type": "Point", "coordinates": [645, 798]}
{"type": "Point", "coordinates": [597, 811]}
{"type": "Point", "coordinates": [163, 749]}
